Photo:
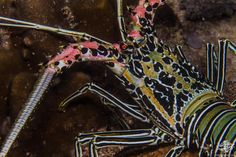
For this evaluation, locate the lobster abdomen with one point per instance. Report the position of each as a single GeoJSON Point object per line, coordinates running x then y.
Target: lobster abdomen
{"type": "Point", "coordinates": [212, 129]}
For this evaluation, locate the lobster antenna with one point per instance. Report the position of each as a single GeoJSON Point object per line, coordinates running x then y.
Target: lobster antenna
{"type": "Point", "coordinates": [31, 25]}
{"type": "Point", "coordinates": [30, 105]}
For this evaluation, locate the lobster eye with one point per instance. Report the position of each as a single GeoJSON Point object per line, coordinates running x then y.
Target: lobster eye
{"type": "Point", "coordinates": [123, 46]}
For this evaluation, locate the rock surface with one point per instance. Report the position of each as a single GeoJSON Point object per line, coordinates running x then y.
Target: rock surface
{"type": "Point", "coordinates": [208, 9]}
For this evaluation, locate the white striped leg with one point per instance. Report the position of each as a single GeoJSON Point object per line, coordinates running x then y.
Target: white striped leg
{"type": "Point", "coordinates": [211, 63]}
{"type": "Point", "coordinates": [117, 116]}
{"type": "Point", "coordinates": [216, 67]}
{"type": "Point", "coordinates": [107, 102]}
{"type": "Point", "coordinates": [31, 25]}
{"type": "Point", "coordinates": [121, 20]}
{"type": "Point", "coordinates": [232, 46]}
{"type": "Point", "coordinates": [233, 104]}
{"type": "Point", "coordinates": [140, 137]}
{"type": "Point", "coordinates": [132, 110]}
{"type": "Point", "coordinates": [175, 151]}
{"type": "Point", "coordinates": [223, 45]}
{"type": "Point", "coordinates": [179, 50]}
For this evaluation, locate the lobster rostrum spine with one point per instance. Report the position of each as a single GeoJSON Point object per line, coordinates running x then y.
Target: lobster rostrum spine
{"type": "Point", "coordinates": [182, 105]}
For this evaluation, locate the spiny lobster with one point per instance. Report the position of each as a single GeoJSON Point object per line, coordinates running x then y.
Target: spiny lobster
{"type": "Point", "coordinates": [182, 105]}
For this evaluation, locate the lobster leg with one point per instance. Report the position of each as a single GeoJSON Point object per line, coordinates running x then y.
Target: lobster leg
{"type": "Point", "coordinates": [233, 103]}
{"type": "Point", "coordinates": [211, 64]}
{"type": "Point", "coordinates": [232, 46]}
{"type": "Point", "coordinates": [117, 115]}
{"type": "Point", "coordinates": [109, 99]}
{"type": "Point", "coordinates": [121, 20]}
{"type": "Point", "coordinates": [126, 138]}
{"type": "Point", "coordinates": [223, 45]}
{"type": "Point", "coordinates": [31, 25]}
{"type": "Point", "coordinates": [179, 50]}
{"type": "Point", "coordinates": [216, 67]}
{"type": "Point", "coordinates": [176, 151]}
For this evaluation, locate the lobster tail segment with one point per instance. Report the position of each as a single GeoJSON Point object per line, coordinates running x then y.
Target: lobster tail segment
{"type": "Point", "coordinates": [212, 129]}
{"type": "Point", "coordinates": [30, 105]}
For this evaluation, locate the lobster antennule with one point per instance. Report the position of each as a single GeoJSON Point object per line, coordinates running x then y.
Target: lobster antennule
{"type": "Point", "coordinates": [30, 105]}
